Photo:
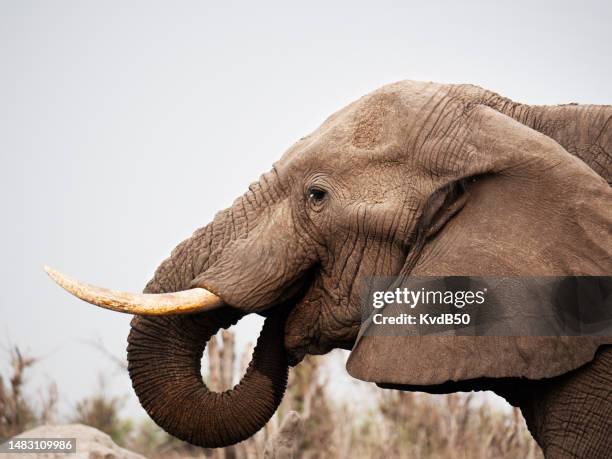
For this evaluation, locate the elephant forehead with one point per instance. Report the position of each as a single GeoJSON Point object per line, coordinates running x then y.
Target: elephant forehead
{"type": "Point", "coordinates": [371, 119]}
{"type": "Point", "coordinates": [378, 123]}
{"type": "Point", "coordinates": [383, 116]}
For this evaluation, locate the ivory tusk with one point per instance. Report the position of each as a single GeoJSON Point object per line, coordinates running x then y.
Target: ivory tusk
{"type": "Point", "coordinates": [148, 304]}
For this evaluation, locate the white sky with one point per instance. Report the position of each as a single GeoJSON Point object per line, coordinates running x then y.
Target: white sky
{"type": "Point", "coordinates": [124, 126]}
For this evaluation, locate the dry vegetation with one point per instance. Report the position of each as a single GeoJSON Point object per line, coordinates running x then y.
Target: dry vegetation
{"type": "Point", "coordinates": [18, 413]}
{"type": "Point", "coordinates": [308, 424]}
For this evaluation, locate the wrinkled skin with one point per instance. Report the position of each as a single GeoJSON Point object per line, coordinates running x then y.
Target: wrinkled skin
{"type": "Point", "coordinates": [379, 189]}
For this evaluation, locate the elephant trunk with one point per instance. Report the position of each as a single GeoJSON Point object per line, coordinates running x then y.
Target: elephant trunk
{"type": "Point", "coordinates": [164, 363]}
{"type": "Point", "coordinates": [208, 283]}
{"type": "Point", "coordinates": [165, 352]}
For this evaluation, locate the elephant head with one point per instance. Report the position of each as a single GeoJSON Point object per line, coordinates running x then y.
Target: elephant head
{"type": "Point", "coordinates": [414, 178]}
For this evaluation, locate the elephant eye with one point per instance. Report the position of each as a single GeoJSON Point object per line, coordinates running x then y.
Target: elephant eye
{"type": "Point", "coordinates": [316, 195]}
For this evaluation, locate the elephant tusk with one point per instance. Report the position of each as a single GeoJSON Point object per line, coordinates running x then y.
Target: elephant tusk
{"type": "Point", "coordinates": [148, 304]}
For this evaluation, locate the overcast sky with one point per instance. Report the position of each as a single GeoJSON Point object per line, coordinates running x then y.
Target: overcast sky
{"type": "Point", "coordinates": [125, 125]}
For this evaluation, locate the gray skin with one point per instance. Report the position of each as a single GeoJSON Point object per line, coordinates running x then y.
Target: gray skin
{"type": "Point", "coordinates": [414, 178]}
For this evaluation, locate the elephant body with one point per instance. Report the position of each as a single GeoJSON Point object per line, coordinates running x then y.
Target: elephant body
{"type": "Point", "coordinates": [413, 179]}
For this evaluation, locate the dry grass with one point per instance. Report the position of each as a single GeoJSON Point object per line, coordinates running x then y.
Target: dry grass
{"type": "Point", "coordinates": [401, 425]}
{"type": "Point", "coordinates": [443, 426]}
{"type": "Point", "coordinates": [17, 413]}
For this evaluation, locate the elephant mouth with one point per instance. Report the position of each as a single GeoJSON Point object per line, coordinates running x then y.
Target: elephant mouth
{"type": "Point", "coordinates": [295, 354]}
{"type": "Point", "coordinates": [299, 342]}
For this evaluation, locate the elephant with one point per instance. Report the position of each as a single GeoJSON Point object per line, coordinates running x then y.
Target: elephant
{"type": "Point", "coordinates": [415, 178]}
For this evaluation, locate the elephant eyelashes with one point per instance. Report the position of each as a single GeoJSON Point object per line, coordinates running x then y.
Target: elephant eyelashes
{"type": "Point", "coordinates": [316, 195]}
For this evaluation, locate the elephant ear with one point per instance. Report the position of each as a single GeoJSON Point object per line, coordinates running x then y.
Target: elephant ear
{"type": "Point", "coordinates": [530, 209]}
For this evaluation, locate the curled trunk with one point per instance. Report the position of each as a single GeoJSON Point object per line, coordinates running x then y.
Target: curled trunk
{"type": "Point", "coordinates": [164, 353]}
{"type": "Point", "coordinates": [164, 362]}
